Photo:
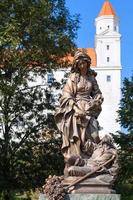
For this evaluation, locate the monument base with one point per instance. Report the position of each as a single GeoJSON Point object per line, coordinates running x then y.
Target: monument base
{"type": "Point", "coordinates": [87, 197]}
{"type": "Point", "coordinates": [88, 186]}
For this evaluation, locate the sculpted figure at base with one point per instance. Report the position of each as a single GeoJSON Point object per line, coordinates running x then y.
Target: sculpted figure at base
{"type": "Point", "coordinates": [104, 151]}
{"type": "Point", "coordinates": [80, 106]}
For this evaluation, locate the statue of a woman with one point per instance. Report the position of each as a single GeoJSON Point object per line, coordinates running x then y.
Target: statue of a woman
{"type": "Point", "coordinates": [80, 106]}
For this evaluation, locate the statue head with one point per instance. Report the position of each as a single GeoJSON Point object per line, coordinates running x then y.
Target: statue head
{"type": "Point", "coordinates": [80, 57]}
{"type": "Point", "coordinates": [107, 140]}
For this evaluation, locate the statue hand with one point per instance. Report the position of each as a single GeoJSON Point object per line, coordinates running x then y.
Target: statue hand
{"type": "Point", "coordinates": [99, 98]}
{"type": "Point", "coordinates": [79, 112]}
{"type": "Point", "coordinates": [75, 161]}
{"type": "Point", "coordinates": [71, 102]}
{"type": "Point", "coordinates": [79, 162]}
{"type": "Point", "coordinates": [103, 170]}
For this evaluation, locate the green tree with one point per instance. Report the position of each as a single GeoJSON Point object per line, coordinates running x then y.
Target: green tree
{"type": "Point", "coordinates": [34, 36]}
{"type": "Point", "coordinates": [126, 106]}
{"type": "Point", "coordinates": [125, 140]}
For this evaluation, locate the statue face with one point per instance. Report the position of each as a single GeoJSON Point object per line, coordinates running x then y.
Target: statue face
{"type": "Point", "coordinates": [82, 63]}
{"type": "Point", "coordinates": [83, 66]}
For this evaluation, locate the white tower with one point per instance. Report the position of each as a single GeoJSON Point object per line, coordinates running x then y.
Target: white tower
{"type": "Point", "coordinates": [107, 47]}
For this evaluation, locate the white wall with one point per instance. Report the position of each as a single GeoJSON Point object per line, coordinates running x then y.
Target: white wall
{"type": "Point", "coordinates": [112, 94]}
{"type": "Point", "coordinates": [113, 52]}
{"type": "Point", "coordinates": [59, 74]}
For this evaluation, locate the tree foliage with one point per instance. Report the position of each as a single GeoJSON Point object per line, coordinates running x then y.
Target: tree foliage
{"type": "Point", "coordinates": [43, 29]}
{"type": "Point", "coordinates": [126, 106]}
{"type": "Point", "coordinates": [34, 36]}
{"type": "Point", "coordinates": [125, 140]}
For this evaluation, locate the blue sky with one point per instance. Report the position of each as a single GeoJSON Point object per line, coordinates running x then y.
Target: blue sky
{"type": "Point", "coordinates": [89, 10]}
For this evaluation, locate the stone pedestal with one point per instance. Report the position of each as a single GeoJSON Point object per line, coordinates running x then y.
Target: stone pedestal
{"type": "Point", "coordinates": [89, 189]}
{"type": "Point", "coordinates": [87, 197]}
{"type": "Point", "coordinates": [88, 186]}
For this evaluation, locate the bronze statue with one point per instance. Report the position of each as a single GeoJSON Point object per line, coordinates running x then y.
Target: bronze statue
{"type": "Point", "coordinates": [80, 106]}
{"type": "Point", "coordinates": [91, 163]}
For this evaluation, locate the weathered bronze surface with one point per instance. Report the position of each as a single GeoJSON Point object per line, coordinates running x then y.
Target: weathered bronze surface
{"type": "Point", "coordinates": [88, 159]}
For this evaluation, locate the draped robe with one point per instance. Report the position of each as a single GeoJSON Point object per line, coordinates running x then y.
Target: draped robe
{"type": "Point", "coordinates": [76, 130]}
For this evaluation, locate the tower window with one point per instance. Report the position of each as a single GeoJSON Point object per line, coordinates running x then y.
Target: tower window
{"type": "Point", "coordinates": [108, 78]}
{"type": "Point", "coordinates": [108, 59]}
{"type": "Point", "coordinates": [108, 26]}
{"type": "Point", "coordinates": [100, 27]}
{"type": "Point", "coordinates": [115, 28]}
{"type": "Point", "coordinates": [107, 47]}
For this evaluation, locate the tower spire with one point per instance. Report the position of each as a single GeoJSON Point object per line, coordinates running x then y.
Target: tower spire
{"type": "Point", "coordinates": [107, 9]}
